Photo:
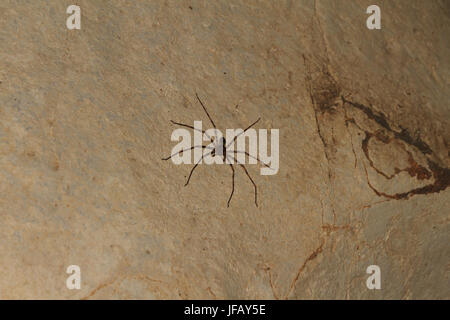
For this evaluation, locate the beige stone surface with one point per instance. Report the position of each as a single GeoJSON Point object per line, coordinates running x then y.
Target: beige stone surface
{"type": "Point", "coordinates": [364, 145]}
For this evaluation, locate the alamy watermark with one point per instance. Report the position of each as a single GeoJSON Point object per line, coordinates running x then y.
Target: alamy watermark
{"type": "Point", "coordinates": [221, 149]}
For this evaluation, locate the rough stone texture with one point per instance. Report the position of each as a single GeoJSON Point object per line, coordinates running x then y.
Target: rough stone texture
{"type": "Point", "coordinates": [364, 144]}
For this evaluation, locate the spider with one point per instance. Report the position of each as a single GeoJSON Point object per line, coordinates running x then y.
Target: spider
{"type": "Point", "coordinates": [223, 151]}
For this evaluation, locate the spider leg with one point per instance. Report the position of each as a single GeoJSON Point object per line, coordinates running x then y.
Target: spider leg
{"type": "Point", "coordinates": [204, 108]}
{"type": "Point", "coordinates": [232, 189]}
{"type": "Point", "coordinates": [253, 182]}
{"type": "Point", "coordinates": [190, 174]}
{"type": "Point", "coordinates": [203, 147]}
{"type": "Point", "coordinates": [235, 137]}
{"type": "Point", "coordinates": [250, 156]}
{"type": "Point", "coordinates": [195, 129]}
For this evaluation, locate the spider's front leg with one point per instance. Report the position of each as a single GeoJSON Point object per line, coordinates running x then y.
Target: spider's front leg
{"type": "Point", "coordinates": [193, 128]}
{"type": "Point", "coordinates": [248, 175]}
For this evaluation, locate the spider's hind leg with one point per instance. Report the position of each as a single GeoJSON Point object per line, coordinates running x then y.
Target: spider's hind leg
{"type": "Point", "coordinates": [232, 188]}
{"type": "Point", "coordinates": [253, 182]}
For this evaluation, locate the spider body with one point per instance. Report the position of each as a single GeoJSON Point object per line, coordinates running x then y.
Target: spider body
{"type": "Point", "coordinates": [221, 148]}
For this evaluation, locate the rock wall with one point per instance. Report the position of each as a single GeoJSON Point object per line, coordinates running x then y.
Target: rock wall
{"type": "Point", "coordinates": [363, 117]}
